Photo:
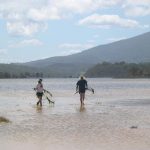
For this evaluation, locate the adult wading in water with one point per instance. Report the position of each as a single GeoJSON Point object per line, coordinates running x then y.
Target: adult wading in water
{"type": "Point", "coordinates": [39, 92]}
{"type": "Point", "coordinates": [81, 86]}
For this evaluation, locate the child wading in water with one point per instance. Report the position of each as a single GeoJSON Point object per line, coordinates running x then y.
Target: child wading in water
{"type": "Point", "coordinates": [39, 91]}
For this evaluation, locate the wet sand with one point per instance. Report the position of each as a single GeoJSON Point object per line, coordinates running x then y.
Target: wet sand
{"type": "Point", "coordinates": [98, 126]}
{"type": "Point", "coordinates": [112, 119]}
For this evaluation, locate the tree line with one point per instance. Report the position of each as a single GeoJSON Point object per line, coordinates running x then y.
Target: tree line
{"type": "Point", "coordinates": [20, 75]}
{"type": "Point", "coordinates": [105, 69]}
{"type": "Point", "coordinates": [120, 70]}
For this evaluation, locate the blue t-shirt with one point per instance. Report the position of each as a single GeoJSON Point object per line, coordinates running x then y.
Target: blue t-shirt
{"type": "Point", "coordinates": [82, 85]}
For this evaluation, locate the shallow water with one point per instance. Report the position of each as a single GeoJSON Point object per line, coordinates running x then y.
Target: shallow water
{"type": "Point", "coordinates": [104, 123]}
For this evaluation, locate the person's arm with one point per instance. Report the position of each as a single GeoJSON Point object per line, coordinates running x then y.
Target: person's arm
{"type": "Point", "coordinates": [36, 87]}
{"type": "Point", "coordinates": [42, 87]}
{"type": "Point", "coordinates": [77, 86]}
{"type": "Point", "coordinates": [86, 85]}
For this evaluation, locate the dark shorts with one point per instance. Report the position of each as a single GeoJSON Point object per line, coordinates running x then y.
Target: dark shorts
{"type": "Point", "coordinates": [82, 91]}
{"type": "Point", "coordinates": [38, 94]}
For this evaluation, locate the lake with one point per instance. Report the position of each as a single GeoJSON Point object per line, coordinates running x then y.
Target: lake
{"type": "Point", "coordinates": [115, 117]}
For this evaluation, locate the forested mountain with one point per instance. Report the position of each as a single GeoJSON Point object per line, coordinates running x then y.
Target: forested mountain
{"type": "Point", "coordinates": [120, 70]}
{"type": "Point", "coordinates": [132, 50]}
{"type": "Point", "coordinates": [136, 49]}
{"type": "Point", "coordinates": [21, 71]}
{"type": "Point", "coordinates": [17, 71]}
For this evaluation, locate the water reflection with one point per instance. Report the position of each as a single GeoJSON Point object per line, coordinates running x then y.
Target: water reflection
{"type": "Point", "coordinates": [82, 108]}
{"type": "Point", "coordinates": [38, 109]}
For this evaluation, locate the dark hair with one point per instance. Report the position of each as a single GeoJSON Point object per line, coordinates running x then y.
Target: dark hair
{"type": "Point", "coordinates": [81, 77]}
{"type": "Point", "coordinates": [40, 80]}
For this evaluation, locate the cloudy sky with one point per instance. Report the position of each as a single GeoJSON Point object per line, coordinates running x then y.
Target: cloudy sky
{"type": "Point", "coordinates": [37, 29]}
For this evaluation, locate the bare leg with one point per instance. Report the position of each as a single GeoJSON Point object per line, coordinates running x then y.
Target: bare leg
{"type": "Point", "coordinates": [82, 98]}
{"type": "Point", "coordinates": [40, 101]}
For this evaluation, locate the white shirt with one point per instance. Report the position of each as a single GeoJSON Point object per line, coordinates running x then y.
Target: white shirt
{"type": "Point", "coordinates": [39, 87]}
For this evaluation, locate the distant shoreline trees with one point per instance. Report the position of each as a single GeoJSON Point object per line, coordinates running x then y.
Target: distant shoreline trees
{"type": "Point", "coordinates": [8, 75]}
{"type": "Point", "coordinates": [105, 69]}
{"type": "Point", "coordinates": [120, 70]}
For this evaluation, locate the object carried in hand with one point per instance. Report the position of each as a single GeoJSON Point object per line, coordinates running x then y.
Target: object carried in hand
{"type": "Point", "coordinates": [48, 96]}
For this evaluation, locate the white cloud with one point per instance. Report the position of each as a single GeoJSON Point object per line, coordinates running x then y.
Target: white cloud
{"type": "Point", "coordinates": [82, 6]}
{"type": "Point", "coordinates": [43, 14]}
{"type": "Point", "coordinates": [20, 14]}
{"type": "Point", "coordinates": [70, 48]}
{"type": "Point", "coordinates": [52, 9]}
{"type": "Point", "coordinates": [24, 28]}
{"type": "Point", "coordinates": [146, 26]}
{"type": "Point", "coordinates": [33, 42]}
{"type": "Point", "coordinates": [24, 43]}
{"type": "Point", "coordinates": [115, 39]}
{"type": "Point", "coordinates": [69, 52]}
{"type": "Point", "coordinates": [137, 11]}
{"type": "Point", "coordinates": [137, 8]}
{"type": "Point", "coordinates": [137, 2]}
{"type": "Point", "coordinates": [27, 17]}
{"type": "Point", "coordinates": [108, 21]}
{"type": "Point", "coordinates": [75, 46]}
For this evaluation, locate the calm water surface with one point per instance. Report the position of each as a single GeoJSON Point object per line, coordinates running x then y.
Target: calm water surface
{"type": "Point", "coordinates": [104, 123]}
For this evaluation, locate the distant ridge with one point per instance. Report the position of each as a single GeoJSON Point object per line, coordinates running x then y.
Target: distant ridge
{"type": "Point", "coordinates": [135, 49]}
{"type": "Point", "coordinates": [132, 50]}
